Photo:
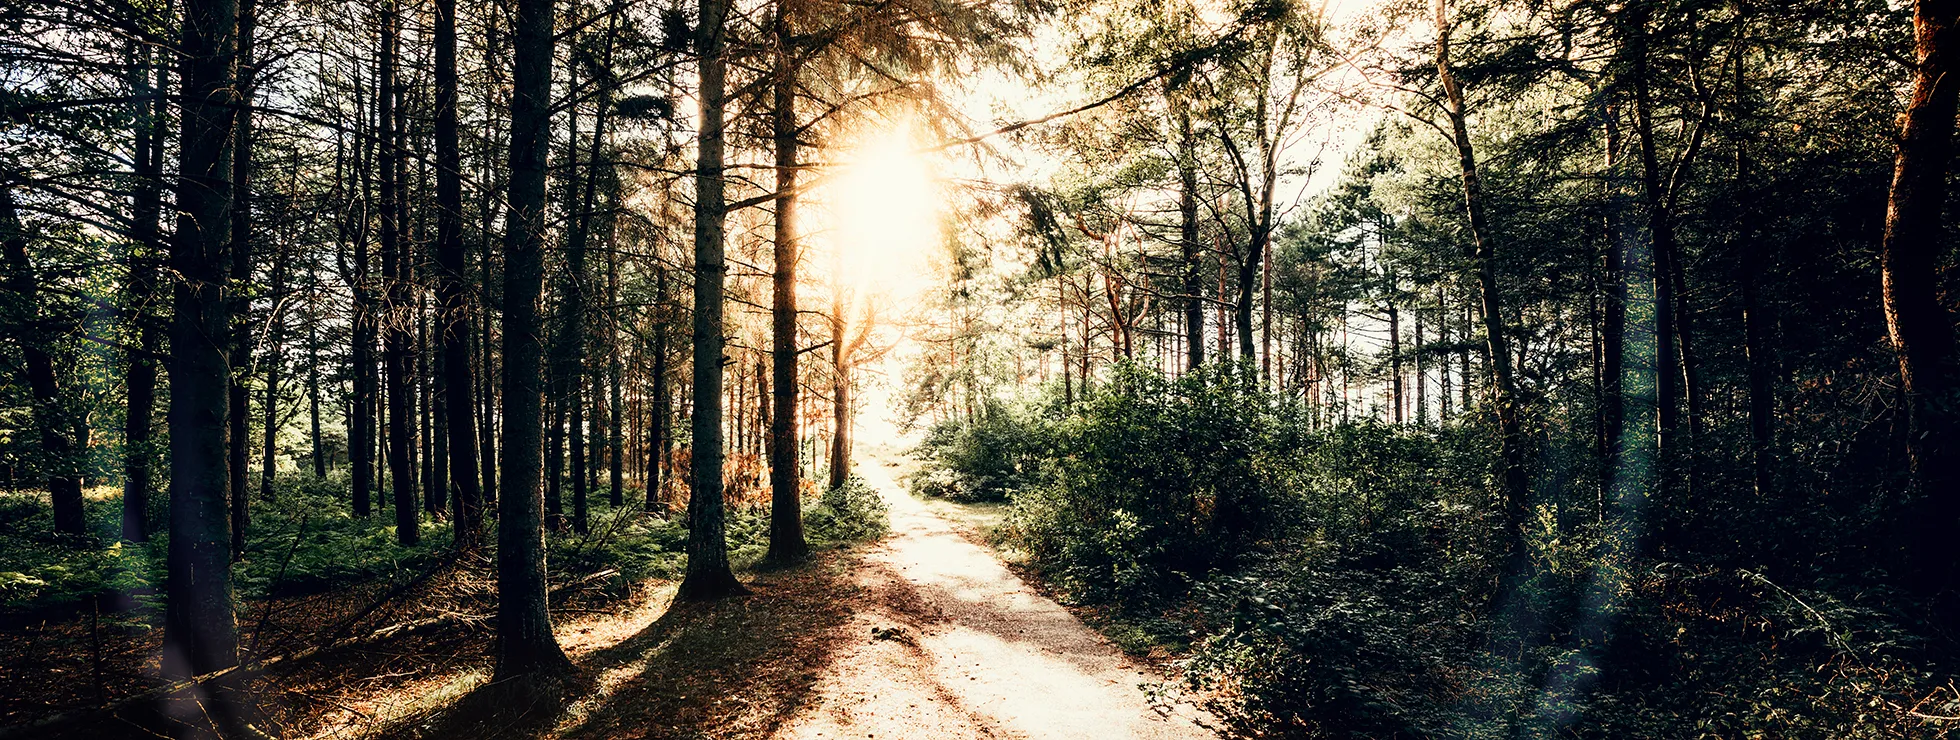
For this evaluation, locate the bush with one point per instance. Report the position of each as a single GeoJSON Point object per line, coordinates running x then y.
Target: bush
{"type": "Point", "coordinates": [1341, 581]}
{"type": "Point", "coordinates": [852, 512]}
{"type": "Point", "coordinates": [1153, 482]}
{"type": "Point", "coordinates": [986, 458]}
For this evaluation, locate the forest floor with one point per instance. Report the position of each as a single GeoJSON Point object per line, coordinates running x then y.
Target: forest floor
{"type": "Point", "coordinates": [924, 634]}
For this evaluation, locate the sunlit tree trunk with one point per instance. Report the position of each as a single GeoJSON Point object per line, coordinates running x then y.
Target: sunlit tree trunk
{"type": "Point", "coordinates": [786, 541]}
{"type": "Point", "coordinates": [1910, 259]}
{"type": "Point", "coordinates": [1511, 452]}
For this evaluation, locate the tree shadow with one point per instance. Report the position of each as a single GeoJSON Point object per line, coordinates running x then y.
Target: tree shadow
{"type": "Point", "coordinates": [735, 668]}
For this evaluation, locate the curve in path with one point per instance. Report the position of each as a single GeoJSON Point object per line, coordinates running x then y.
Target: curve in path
{"type": "Point", "coordinates": [951, 644]}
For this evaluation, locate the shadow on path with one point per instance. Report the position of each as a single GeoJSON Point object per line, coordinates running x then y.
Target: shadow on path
{"type": "Point", "coordinates": [735, 668]}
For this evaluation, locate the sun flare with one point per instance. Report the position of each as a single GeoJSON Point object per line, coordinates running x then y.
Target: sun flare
{"type": "Point", "coordinates": [885, 215]}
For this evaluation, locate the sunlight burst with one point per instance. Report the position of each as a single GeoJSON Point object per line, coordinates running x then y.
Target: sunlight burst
{"type": "Point", "coordinates": [885, 215]}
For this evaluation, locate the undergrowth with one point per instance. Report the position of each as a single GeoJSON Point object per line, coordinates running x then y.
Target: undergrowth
{"type": "Point", "coordinates": [306, 540]}
{"type": "Point", "coordinates": [1319, 578]}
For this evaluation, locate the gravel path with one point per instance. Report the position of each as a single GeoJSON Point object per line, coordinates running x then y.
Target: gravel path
{"type": "Point", "coordinates": [951, 644]}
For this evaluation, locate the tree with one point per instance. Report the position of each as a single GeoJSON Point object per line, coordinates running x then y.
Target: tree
{"type": "Point", "coordinates": [456, 385]}
{"type": "Point", "coordinates": [146, 255]}
{"type": "Point", "coordinates": [1503, 381]}
{"type": "Point", "coordinates": [786, 541]}
{"type": "Point", "coordinates": [526, 647]}
{"type": "Point", "coordinates": [1910, 256]}
{"type": "Point", "coordinates": [708, 573]}
{"type": "Point", "coordinates": [200, 632]}
{"type": "Point", "coordinates": [395, 273]}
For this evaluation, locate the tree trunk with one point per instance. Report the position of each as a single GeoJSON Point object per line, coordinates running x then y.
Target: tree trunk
{"type": "Point", "coordinates": [1395, 361]}
{"type": "Point", "coordinates": [786, 542]}
{"type": "Point", "coordinates": [360, 418]}
{"type": "Point", "coordinates": [1910, 259]}
{"type": "Point", "coordinates": [397, 313]}
{"type": "Point", "coordinates": [708, 573]}
{"type": "Point", "coordinates": [662, 400]}
{"type": "Point", "coordinates": [200, 631]}
{"type": "Point", "coordinates": [526, 647]}
{"type": "Point", "coordinates": [1757, 343]}
{"type": "Point", "coordinates": [146, 253]}
{"type": "Point", "coordinates": [59, 450]}
{"type": "Point", "coordinates": [1187, 238]}
{"type": "Point", "coordinates": [1511, 452]}
{"type": "Point", "coordinates": [313, 377]}
{"type": "Point", "coordinates": [241, 274]}
{"type": "Point", "coordinates": [1613, 314]}
{"type": "Point", "coordinates": [269, 410]}
{"type": "Point", "coordinates": [456, 386]}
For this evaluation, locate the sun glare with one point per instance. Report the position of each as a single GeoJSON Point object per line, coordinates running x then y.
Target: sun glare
{"type": "Point", "coordinates": [885, 211]}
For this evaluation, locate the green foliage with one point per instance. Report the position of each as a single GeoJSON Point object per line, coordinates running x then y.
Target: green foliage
{"type": "Point", "coordinates": [986, 458]}
{"type": "Point", "coordinates": [1158, 481]}
{"type": "Point", "coordinates": [1357, 597]}
{"type": "Point", "coordinates": [849, 513]}
{"type": "Point", "coordinates": [41, 572]}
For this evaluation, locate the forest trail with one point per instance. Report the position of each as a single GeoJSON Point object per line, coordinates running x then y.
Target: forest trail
{"type": "Point", "coordinates": [954, 645]}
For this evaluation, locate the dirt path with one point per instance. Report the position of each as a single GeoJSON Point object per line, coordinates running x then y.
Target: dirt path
{"type": "Point", "coordinates": [954, 645]}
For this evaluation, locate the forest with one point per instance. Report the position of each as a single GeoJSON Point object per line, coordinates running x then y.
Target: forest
{"type": "Point", "coordinates": [979, 368]}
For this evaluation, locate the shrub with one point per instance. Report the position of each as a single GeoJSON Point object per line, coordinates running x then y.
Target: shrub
{"type": "Point", "coordinates": [852, 512]}
{"type": "Point", "coordinates": [1153, 481]}
{"type": "Point", "coordinates": [984, 458]}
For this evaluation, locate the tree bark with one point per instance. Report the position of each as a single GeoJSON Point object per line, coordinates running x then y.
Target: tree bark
{"type": "Point", "coordinates": [360, 421]}
{"type": "Point", "coordinates": [147, 251]}
{"type": "Point", "coordinates": [526, 648]}
{"type": "Point", "coordinates": [1511, 452]}
{"type": "Point", "coordinates": [241, 274]}
{"type": "Point", "coordinates": [456, 385]}
{"type": "Point", "coordinates": [200, 631]}
{"type": "Point", "coordinates": [708, 573]}
{"type": "Point", "coordinates": [269, 406]}
{"type": "Point", "coordinates": [662, 400]}
{"type": "Point", "coordinates": [397, 311]}
{"type": "Point", "coordinates": [786, 541]}
{"type": "Point", "coordinates": [1187, 238]}
{"type": "Point", "coordinates": [1918, 322]}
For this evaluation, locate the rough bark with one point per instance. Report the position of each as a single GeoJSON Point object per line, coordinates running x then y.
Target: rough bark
{"type": "Point", "coordinates": [1918, 322]}
{"type": "Point", "coordinates": [147, 249]}
{"type": "Point", "coordinates": [200, 633]}
{"type": "Point", "coordinates": [526, 647]}
{"type": "Point", "coordinates": [1511, 443]}
{"type": "Point", "coordinates": [786, 542]}
{"type": "Point", "coordinates": [456, 385]}
{"type": "Point", "coordinates": [708, 573]}
{"type": "Point", "coordinates": [397, 342]}
{"type": "Point", "coordinates": [241, 274]}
